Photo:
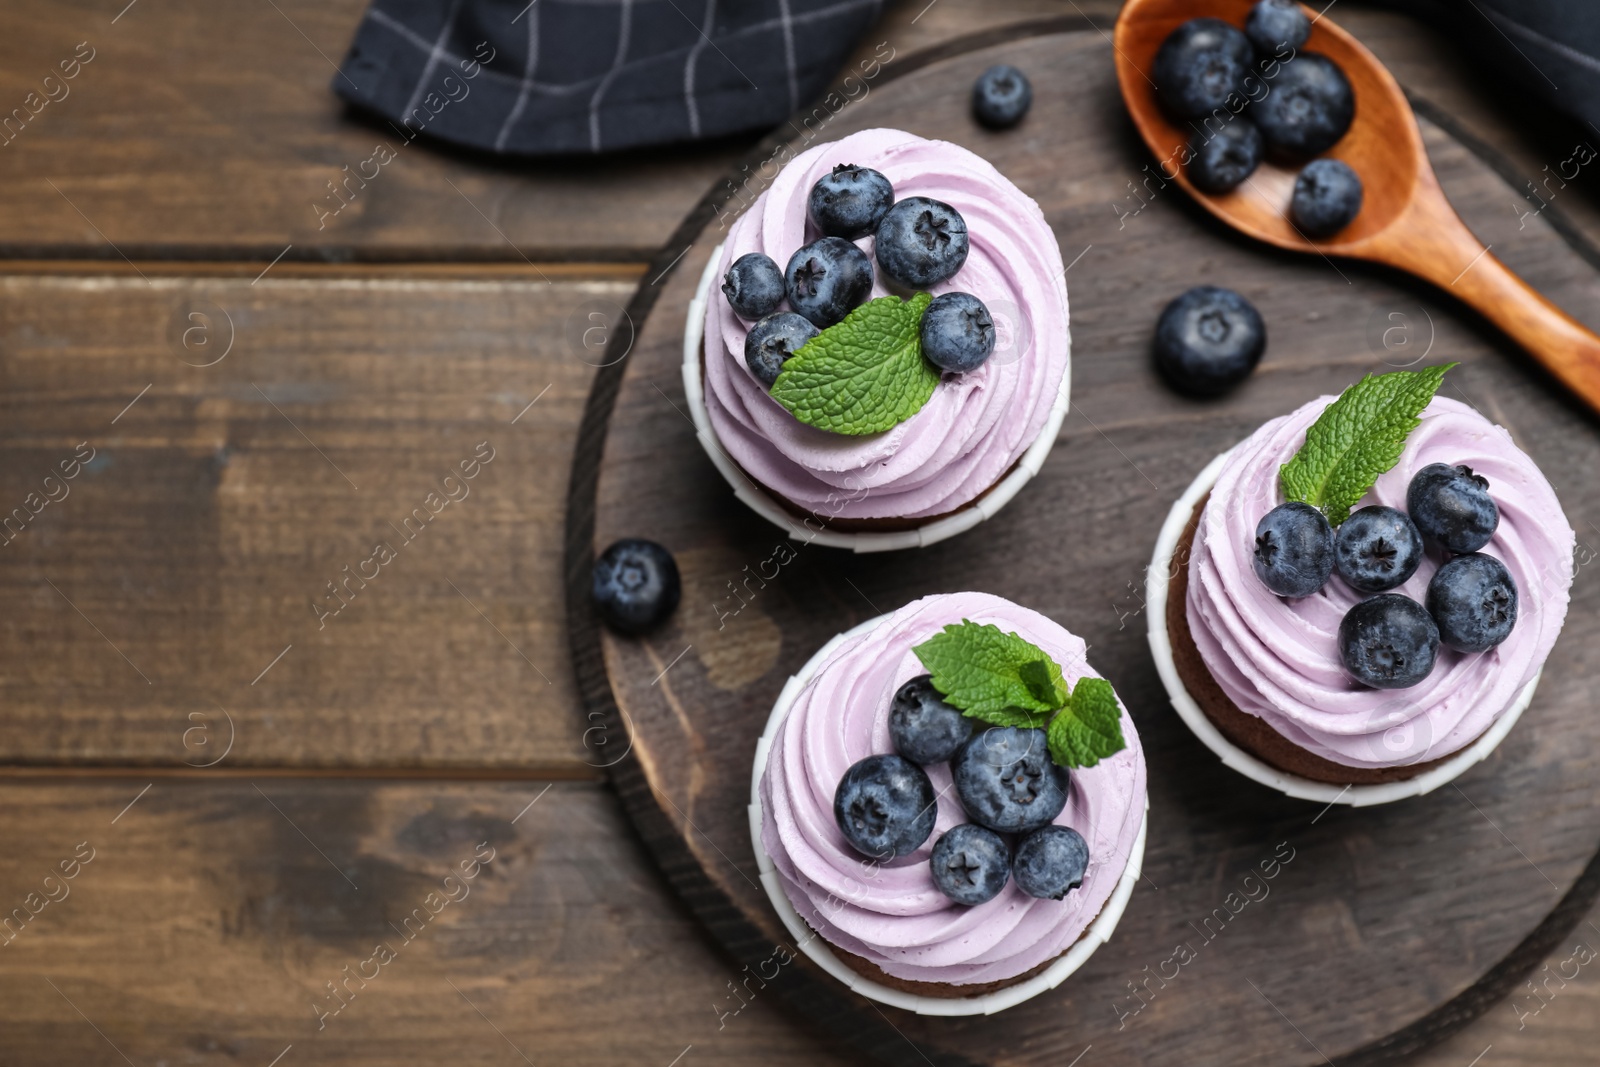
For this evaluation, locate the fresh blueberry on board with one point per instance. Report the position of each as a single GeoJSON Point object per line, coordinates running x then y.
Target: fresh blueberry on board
{"type": "Point", "coordinates": [773, 340]}
{"type": "Point", "coordinates": [957, 332]}
{"type": "Point", "coordinates": [635, 585]}
{"type": "Point", "coordinates": [1006, 780]}
{"type": "Point", "coordinates": [1199, 66]}
{"type": "Point", "coordinates": [850, 201]}
{"type": "Point", "coordinates": [1294, 551]}
{"type": "Point", "coordinates": [970, 863]}
{"type": "Point", "coordinates": [1377, 549]}
{"type": "Point", "coordinates": [1388, 641]}
{"type": "Point", "coordinates": [922, 726]}
{"type": "Point", "coordinates": [1001, 96]}
{"type": "Point", "coordinates": [1050, 861]}
{"type": "Point", "coordinates": [828, 279]}
{"type": "Point", "coordinates": [1326, 198]}
{"type": "Point", "coordinates": [885, 807]}
{"type": "Point", "coordinates": [1277, 27]}
{"type": "Point", "coordinates": [1221, 159]}
{"type": "Point", "coordinates": [1473, 599]}
{"type": "Point", "coordinates": [1452, 506]}
{"type": "Point", "coordinates": [753, 286]}
{"type": "Point", "coordinates": [1308, 109]}
{"type": "Point", "coordinates": [921, 241]}
{"type": "Point", "coordinates": [1208, 340]}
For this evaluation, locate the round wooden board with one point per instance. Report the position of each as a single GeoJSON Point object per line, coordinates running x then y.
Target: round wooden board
{"type": "Point", "coordinates": [1390, 927]}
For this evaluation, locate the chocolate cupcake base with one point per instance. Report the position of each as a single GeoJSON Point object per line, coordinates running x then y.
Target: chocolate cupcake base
{"type": "Point", "coordinates": [1246, 742]}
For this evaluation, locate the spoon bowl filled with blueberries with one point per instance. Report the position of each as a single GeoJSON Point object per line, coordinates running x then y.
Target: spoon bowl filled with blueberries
{"type": "Point", "coordinates": [1289, 130]}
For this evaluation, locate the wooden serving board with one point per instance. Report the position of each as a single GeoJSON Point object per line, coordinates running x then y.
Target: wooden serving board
{"type": "Point", "coordinates": [1388, 928]}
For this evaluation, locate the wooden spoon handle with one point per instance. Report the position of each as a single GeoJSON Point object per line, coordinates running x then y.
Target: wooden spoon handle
{"type": "Point", "coordinates": [1440, 248]}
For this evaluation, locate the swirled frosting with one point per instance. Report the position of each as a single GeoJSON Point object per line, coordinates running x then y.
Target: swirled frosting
{"type": "Point", "coordinates": [977, 424]}
{"type": "Point", "coordinates": [1279, 659]}
{"type": "Point", "coordinates": [892, 914]}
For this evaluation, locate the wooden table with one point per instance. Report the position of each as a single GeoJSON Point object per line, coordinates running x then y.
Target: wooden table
{"type": "Point", "coordinates": [253, 766]}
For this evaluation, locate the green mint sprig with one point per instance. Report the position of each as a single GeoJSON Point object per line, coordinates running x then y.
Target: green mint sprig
{"type": "Point", "coordinates": [1003, 680]}
{"type": "Point", "coordinates": [1358, 437]}
{"type": "Point", "coordinates": [863, 375]}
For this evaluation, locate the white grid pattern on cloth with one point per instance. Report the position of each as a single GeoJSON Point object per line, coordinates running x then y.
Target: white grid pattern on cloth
{"type": "Point", "coordinates": [434, 52]}
{"type": "Point", "coordinates": [527, 78]}
{"type": "Point", "coordinates": [688, 68]}
{"type": "Point", "coordinates": [624, 32]}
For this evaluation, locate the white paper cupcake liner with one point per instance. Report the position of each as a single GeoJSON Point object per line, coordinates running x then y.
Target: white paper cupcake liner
{"type": "Point", "coordinates": [764, 505]}
{"type": "Point", "coordinates": [1252, 767]}
{"type": "Point", "coordinates": [817, 949]}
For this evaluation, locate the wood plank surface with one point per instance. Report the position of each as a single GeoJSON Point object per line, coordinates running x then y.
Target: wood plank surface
{"type": "Point", "coordinates": [1402, 908]}
{"type": "Point", "coordinates": [215, 503]}
{"type": "Point", "coordinates": [206, 927]}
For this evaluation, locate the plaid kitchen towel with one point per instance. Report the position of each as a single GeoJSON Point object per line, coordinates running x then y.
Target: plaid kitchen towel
{"type": "Point", "coordinates": [563, 76]}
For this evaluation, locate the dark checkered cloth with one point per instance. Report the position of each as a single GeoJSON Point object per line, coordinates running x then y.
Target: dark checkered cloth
{"type": "Point", "coordinates": [563, 76]}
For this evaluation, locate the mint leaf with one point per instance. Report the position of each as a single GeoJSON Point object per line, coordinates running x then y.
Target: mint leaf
{"type": "Point", "coordinates": [1358, 437]}
{"type": "Point", "coordinates": [985, 672]}
{"type": "Point", "coordinates": [1089, 728]}
{"type": "Point", "coordinates": [863, 375]}
{"type": "Point", "coordinates": [1044, 681]}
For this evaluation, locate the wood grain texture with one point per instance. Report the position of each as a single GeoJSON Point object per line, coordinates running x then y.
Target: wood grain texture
{"type": "Point", "coordinates": [198, 542]}
{"type": "Point", "coordinates": [1400, 909]}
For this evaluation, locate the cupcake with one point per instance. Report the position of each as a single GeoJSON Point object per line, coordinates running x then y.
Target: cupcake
{"type": "Point", "coordinates": [921, 852]}
{"type": "Point", "coordinates": [1390, 651]}
{"type": "Point", "coordinates": [925, 448]}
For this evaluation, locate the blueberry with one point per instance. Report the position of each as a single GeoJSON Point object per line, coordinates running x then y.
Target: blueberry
{"type": "Point", "coordinates": [635, 585]}
{"type": "Point", "coordinates": [828, 279]}
{"type": "Point", "coordinates": [850, 202]}
{"type": "Point", "coordinates": [1474, 601]}
{"type": "Point", "coordinates": [773, 340]}
{"type": "Point", "coordinates": [1221, 159]}
{"type": "Point", "coordinates": [1199, 66]}
{"type": "Point", "coordinates": [1377, 548]}
{"type": "Point", "coordinates": [970, 864]}
{"type": "Point", "coordinates": [1307, 107]}
{"type": "Point", "coordinates": [921, 241]}
{"type": "Point", "coordinates": [1327, 197]}
{"type": "Point", "coordinates": [1452, 506]}
{"type": "Point", "coordinates": [1007, 781]}
{"type": "Point", "coordinates": [1388, 641]}
{"type": "Point", "coordinates": [753, 286]}
{"type": "Point", "coordinates": [923, 727]}
{"type": "Point", "coordinates": [1051, 861]}
{"type": "Point", "coordinates": [1277, 27]}
{"type": "Point", "coordinates": [957, 332]}
{"type": "Point", "coordinates": [885, 807]}
{"type": "Point", "coordinates": [1208, 340]}
{"type": "Point", "coordinates": [1294, 549]}
{"type": "Point", "coordinates": [1001, 96]}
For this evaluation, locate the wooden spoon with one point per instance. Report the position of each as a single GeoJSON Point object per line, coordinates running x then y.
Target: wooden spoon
{"type": "Point", "coordinates": [1405, 220]}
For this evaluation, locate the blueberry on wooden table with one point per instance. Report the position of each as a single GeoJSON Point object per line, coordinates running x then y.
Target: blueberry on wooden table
{"type": "Point", "coordinates": [1208, 340]}
{"type": "Point", "coordinates": [1001, 96]}
{"type": "Point", "coordinates": [635, 585]}
{"type": "Point", "coordinates": [970, 864]}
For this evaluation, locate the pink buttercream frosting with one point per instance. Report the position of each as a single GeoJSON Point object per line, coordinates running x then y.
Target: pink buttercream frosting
{"type": "Point", "coordinates": [1279, 659]}
{"type": "Point", "coordinates": [892, 914]}
{"type": "Point", "coordinates": [977, 424]}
